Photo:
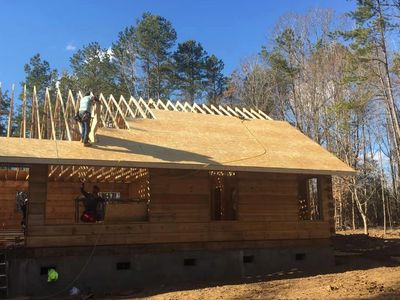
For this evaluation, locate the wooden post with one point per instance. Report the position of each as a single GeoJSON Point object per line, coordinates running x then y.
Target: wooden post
{"type": "Point", "coordinates": [104, 101]}
{"type": "Point", "coordinates": [95, 122]}
{"type": "Point", "coordinates": [35, 99]}
{"type": "Point", "coordinates": [37, 195]}
{"type": "Point", "coordinates": [53, 129]}
{"type": "Point", "coordinates": [32, 125]}
{"type": "Point", "coordinates": [64, 115]}
{"type": "Point", "coordinates": [24, 113]}
{"type": "Point", "coordinates": [45, 117]}
{"type": "Point", "coordinates": [10, 113]}
{"type": "Point", "coordinates": [328, 207]}
{"type": "Point", "coordinates": [1, 97]}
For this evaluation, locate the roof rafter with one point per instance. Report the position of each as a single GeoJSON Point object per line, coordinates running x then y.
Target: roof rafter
{"type": "Point", "coordinates": [53, 118]}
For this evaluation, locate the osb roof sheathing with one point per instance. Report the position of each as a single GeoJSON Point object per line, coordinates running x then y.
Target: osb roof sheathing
{"type": "Point", "coordinates": [187, 141]}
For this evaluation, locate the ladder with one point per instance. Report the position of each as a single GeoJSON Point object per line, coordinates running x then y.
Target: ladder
{"type": "Point", "coordinates": [3, 275]}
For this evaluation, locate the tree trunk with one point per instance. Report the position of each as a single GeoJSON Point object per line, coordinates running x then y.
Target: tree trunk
{"type": "Point", "coordinates": [365, 223]}
{"type": "Point", "coordinates": [383, 192]}
{"type": "Point", "coordinates": [363, 212]}
{"type": "Point", "coordinates": [353, 212]}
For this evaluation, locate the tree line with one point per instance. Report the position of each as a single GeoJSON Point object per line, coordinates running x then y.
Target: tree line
{"type": "Point", "coordinates": [334, 77]}
{"type": "Point", "coordinates": [337, 79]}
{"type": "Point", "coordinates": [144, 61]}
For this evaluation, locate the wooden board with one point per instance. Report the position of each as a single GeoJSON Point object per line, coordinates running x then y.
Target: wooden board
{"type": "Point", "coordinates": [187, 141]}
{"type": "Point", "coordinates": [126, 212]}
{"type": "Point", "coordinates": [37, 194]}
{"type": "Point", "coordinates": [61, 196]}
{"type": "Point", "coordinates": [10, 218]}
{"type": "Point", "coordinates": [179, 212]}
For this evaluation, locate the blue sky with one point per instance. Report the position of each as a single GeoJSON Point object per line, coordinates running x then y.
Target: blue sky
{"type": "Point", "coordinates": [230, 29]}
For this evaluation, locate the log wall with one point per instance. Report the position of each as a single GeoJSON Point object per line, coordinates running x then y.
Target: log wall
{"type": "Point", "coordinates": [60, 208]}
{"type": "Point", "coordinates": [10, 218]}
{"type": "Point", "coordinates": [180, 213]}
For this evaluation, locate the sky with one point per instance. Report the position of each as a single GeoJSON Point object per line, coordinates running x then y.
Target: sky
{"type": "Point", "coordinates": [230, 29]}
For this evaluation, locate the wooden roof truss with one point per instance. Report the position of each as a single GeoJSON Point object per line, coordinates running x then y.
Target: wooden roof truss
{"type": "Point", "coordinates": [208, 109]}
{"type": "Point", "coordinates": [63, 173]}
{"type": "Point", "coordinates": [14, 174]}
{"type": "Point", "coordinates": [95, 174]}
{"type": "Point", "coordinates": [52, 117]}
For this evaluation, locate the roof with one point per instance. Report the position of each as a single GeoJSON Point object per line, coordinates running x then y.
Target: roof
{"type": "Point", "coordinates": [185, 140]}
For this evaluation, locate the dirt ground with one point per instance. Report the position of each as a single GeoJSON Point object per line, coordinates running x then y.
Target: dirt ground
{"type": "Point", "coordinates": [367, 267]}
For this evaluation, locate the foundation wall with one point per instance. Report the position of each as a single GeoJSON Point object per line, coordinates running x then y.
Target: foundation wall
{"type": "Point", "coordinates": [113, 269]}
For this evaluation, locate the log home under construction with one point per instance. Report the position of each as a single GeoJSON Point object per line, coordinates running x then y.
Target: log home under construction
{"type": "Point", "coordinates": [192, 192]}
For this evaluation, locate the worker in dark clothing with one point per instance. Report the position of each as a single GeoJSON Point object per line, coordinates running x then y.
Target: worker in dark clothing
{"type": "Point", "coordinates": [94, 205]}
{"type": "Point", "coordinates": [22, 205]}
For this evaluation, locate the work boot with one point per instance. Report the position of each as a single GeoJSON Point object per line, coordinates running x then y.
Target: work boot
{"type": "Point", "coordinates": [87, 144]}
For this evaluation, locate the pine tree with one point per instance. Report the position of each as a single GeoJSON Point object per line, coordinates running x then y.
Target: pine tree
{"type": "Point", "coordinates": [94, 71]}
{"type": "Point", "coordinates": [189, 68]}
{"type": "Point", "coordinates": [156, 37]}
{"type": "Point", "coordinates": [39, 73]}
{"type": "Point", "coordinates": [369, 43]}
{"type": "Point", "coordinates": [125, 54]}
{"type": "Point", "coordinates": [215, 81]}
{"type": "Point", "coordinates": [4, 110]}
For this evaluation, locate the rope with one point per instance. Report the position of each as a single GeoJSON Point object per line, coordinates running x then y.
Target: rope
{"type": "Point", "coordinates": [65, 288]}
{"type": "Point", "coordinates": [264, 152]}
{"type": "Point", "coordinates": [204, 166]}
{"type": "Point", "coordinates": [99, 234]}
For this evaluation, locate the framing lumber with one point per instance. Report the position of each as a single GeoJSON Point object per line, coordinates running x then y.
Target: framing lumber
{"type": "Point", "coordinates": [170, 104]}
{"type": "Point", "coordinates": [23, 135]}
{"type": "Point", "coordinates": [118, 110]}
{"type": "Point", "coordinates": [216, 110]}
{"type": "Point", "coordinates": [224, 111]}
{"type": "Point", "coordinates": [179, 106]}
{"type": "Point", "coordinates": [147, 108]}
{"type": "Point", "coordinates": [159, 102]}
{"type": "Point", "coordinates": [188, 107]}
{"type": "Point", "coordinates": [207, 109]}
{"type": "Point", "coordinates": [103, 100]}
{"type": "Point", "coordinates": [264, 115]}
{"type": "Point", "coordinates": [198, 108]}
{"type": "Point", "coordinates": [10, 113]}
{"type": "Point", "coordinates": [138, 107]}
{"type": "Point", "coordinates": [39, 134]}
{"type": "Point", "coordinates": [1, 98]}
{"type": "Point", "coordinates": [128, 108]}
{"type": "Point", "coordinates": [57, 121]}
{"type": "Point", "coordinates": [242, 114]}
{"type": "Point", "coordinates": [232, 111]}
{"type": "Point", "coordinates": [59, 96]}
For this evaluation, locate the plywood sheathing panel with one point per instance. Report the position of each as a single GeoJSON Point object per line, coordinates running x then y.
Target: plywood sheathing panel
{"type": "Point", "coordinates": [187, 140]}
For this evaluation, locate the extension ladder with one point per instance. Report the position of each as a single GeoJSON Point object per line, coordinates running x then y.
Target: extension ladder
{"type": "Point", "coordinates": [3, 275]}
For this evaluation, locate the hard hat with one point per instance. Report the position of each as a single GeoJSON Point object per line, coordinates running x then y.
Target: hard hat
{"type": "Point", "coordinates": [52, 275]}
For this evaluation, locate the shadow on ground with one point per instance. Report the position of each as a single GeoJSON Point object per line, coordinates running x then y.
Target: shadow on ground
{"type": "Point", "coordinates": [352, 252]}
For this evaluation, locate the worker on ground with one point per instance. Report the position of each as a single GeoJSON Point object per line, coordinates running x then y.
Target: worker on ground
{"type": "Point", "coordinates": [94, 205]}
{"type": "Point", "coordinates": [85, 109]}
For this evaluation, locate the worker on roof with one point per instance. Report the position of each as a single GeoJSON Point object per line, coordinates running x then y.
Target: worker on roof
{"type": "Point", "coordinates": [94, 205]}
{"type": "Point", "coordinates": [85, 110]}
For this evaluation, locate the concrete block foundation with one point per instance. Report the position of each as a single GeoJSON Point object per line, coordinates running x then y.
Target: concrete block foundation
{"type": "Point", "coordinates": [107, 269]}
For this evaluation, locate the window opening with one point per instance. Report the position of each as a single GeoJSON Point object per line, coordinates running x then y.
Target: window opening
{"type": "Point", "coordinates": [310, 200]}
{"type": "Point", "coordinates": [224, 195]}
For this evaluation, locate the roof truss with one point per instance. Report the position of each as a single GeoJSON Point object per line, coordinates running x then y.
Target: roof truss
{"type": "Point", "coordinates": [53, 116]}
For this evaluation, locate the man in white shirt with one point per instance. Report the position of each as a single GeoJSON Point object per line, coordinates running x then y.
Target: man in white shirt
{"type": "Point", "coordinates": [85, 110]}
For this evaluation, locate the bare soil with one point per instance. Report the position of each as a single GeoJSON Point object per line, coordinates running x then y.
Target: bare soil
{"type": "Point", "coordinates": [367, 267]}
